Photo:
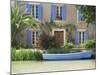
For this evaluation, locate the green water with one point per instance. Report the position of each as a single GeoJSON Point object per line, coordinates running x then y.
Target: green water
{"type": "Point", "coordinates": [45, 66]}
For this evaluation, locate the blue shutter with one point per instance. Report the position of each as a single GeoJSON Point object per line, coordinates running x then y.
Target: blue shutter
{"type": "Point", "coordinates": [76, 38]}
{"type": "Point", "coordinates": [28, 38]}
{"type": "Point", "coordinates": [64, 12]}
{"type": "Point", "coordinates": [79, 15]}
{"type": "Point", "coordinates": [28, 8]}
{"type": "Point", "coordinates": [53, 12]}
{"type": "Point", "coordinates": [85, 36]}
{"type": "Point", "coordinates": [40, 15]}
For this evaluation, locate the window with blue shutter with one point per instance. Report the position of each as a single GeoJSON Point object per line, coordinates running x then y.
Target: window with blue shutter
{"type": "Point", "coordinates": [80, 17]}
{"type": "Point", "coordinates": [85, 36]}
{"type": "Point", "coordinates": [28, 8]}
{"type": "Point", "coordinates": [28, 38]}
{"type": "Point", "coordinates": [40, 13]}
{"type": "Point", "coordinates": [76, 38]}
{"type": "Point", "coordinates": [53, 12]}
{"type": "Point", "coordinates": [64, 12]}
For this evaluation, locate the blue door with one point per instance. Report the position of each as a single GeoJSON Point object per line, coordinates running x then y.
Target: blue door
{"type": "Point", "coordinates": [28, 39]}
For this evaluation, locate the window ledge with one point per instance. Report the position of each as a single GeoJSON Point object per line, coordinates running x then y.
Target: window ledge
{"type": "Point", "coordinates": [59, 21]}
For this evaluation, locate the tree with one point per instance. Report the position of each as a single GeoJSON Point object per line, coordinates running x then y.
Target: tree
{"type": "Point", "coordinates": [19, 21]}
{"type": "Point", "coordinates": [89, 13]}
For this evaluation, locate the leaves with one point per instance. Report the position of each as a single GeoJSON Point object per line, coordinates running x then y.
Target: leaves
{"type": "Point", "coordinates": [88, 12]}
{"type": "Point", "coordinates": [19, 21]}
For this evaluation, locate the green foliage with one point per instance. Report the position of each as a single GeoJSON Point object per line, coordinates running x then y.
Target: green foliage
{"type": "Point", "coordinates": [37, 55]}
{"type": "Point", "coordinates": [90, 44]}
{"type": "Point", "coordinates": [19, 21]}
{"type": "Point", "coordinates": [89, 13]}
{"type": "Point", "coordinates": [21, 55]}
{"type": "Point", "coordinates": [69, 45]}
{"type": "Point", "coordinates": [49, 42]}
{"type": "Point", "coordinates": [16, 44]}
{"type": "Point", "coordinates": [13, 51]}
{"type": "Point", "coordinates": [62, 50]}
{"type": "Point", "coordinates": [81, 46]}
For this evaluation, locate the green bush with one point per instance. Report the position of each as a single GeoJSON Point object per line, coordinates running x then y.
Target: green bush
{"type": "Point", "coordinates": [13, 51]}
{"type": "Point", "coordinates": [90, 44]}
{"type": "Point", "coordinates": [37, 55]}
{"type": "Point", "coordinates": [49, 41]}
{"type": "Point", "coordinates": [61, 50]}
{"type": "Point", "coordinates": [16, 44]}
{"type": "Point", "coordinates": [55, 50]}
{"type": "Point", "coordinates": [69, 45]}
{"type": "Point", "coordinates": [18, 55]}
{"type": "Point", "coordinates": [31, 55]}
{"type": "Point", "coordinates": [21, 55]}
{"type": "Point", "coordinates": [80, 45]}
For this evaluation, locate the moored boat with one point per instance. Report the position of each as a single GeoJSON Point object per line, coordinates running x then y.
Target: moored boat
{"type": "Point", "coordinates": [77, 55]}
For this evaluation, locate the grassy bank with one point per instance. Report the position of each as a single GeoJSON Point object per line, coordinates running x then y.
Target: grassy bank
{"type": "Point", "coordinates": [26, 54]}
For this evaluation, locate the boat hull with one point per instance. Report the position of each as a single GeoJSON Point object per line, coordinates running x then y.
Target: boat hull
{"type": "Point", "coordinates": [79, 55]}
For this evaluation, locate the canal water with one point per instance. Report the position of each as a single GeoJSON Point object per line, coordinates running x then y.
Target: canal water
{"type": "Point", "coordinates": [48, 66]}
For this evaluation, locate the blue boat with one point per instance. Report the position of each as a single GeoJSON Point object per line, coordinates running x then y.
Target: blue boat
{"type": "Point", "coordinates": [78, 55]}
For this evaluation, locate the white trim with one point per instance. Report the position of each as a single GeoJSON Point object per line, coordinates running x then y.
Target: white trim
{"type": "Point", "coordinates": [81, 30]}
{"type": "Point", "coordinates": [82, 37]}
{"type": "Point", "coordinates": [34, 44]}
{"type": "Point", "coordinates": [59, 9]}
{"type": "Point", "coordinates": [34, 10]}
{"type": "Point", "coordinates": [53, 30]}
{"type": "Point", "coordinates": [81, 41]}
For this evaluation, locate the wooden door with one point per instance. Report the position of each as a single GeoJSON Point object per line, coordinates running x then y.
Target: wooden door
{"type": "Point", "coordinates": [59, 37]}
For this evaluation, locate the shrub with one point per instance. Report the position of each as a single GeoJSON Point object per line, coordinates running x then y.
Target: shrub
{"type": "Point", "coordinates": [69, 45]}
{"type": "Point", "coordinates": [55, 50]}
{"type": "Point", "coordinates": [31, 55]}
{"type": "Point", "coordinates": [21, 55]}
{"type": "Point", "coordinates": [80, 45]}
{"type": "Point", "coordinates": [37, 55]}
{"type": "Point", "coordinates": [16, 44]}
{"type": "Point", "coordinates": [49, 42]}
{"type": "Point", "coordinates": [18, 55]}
{"type": "Point", "coordinates": [61, 50]}
{"type": "Point", "coordinates": [90, 44]}
{"type": "Point", "coordinates": [13, 51]}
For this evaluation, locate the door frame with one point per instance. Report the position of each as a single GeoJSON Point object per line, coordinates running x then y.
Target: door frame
{"type": "Point", "coordinates": [58, 29]}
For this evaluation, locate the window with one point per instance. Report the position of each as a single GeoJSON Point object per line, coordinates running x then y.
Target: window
{"type": "Point", "coordinates": [81, 37]}
{"type": "Point", "coordinates": [58, 12]}
{"type": "Point", "coordinates": [80, 16]}
{"type": "Point", "coordinates": [35, 37]}
{"type": "Point", "coordinates": [35, 11]}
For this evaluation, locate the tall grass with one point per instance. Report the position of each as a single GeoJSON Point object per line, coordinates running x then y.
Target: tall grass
{"type": "Point", "coordinates": [22, 55]}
